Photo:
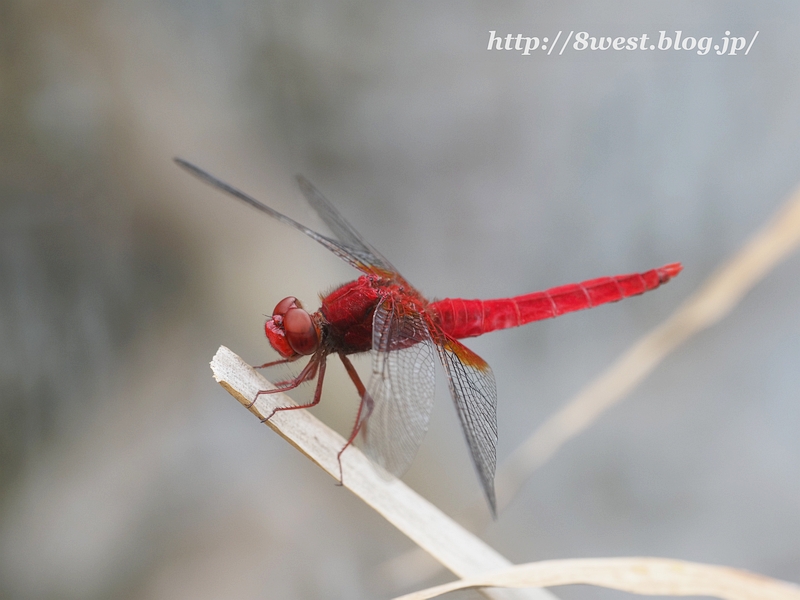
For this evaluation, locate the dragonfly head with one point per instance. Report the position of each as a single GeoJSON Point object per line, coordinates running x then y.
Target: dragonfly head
{"type": "Point", "coordinates": [291, 330]}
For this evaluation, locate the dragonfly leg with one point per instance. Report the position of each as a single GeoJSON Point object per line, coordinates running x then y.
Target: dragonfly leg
{"type": "Point", "coordinates": [307, 374]}
{"type": "Point", "coordinates": [364, 410]}
{"type": "Point", "coordinates": [318, 364]}
{"type": "Point", "coordinates": [282, 361]}
{"type": "Point", "coordinates": [284, 386]}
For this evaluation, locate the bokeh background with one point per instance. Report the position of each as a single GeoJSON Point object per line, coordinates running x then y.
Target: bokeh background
{"type": "Point", "coordinates": [128, 473]}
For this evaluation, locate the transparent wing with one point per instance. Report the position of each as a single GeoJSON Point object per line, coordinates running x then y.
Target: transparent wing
{"type": "Point", "coordinates": [401, 386]}
{"type": "Point", "coordinates": [342, 229]}
{"type": "Point", "coordinates": [350, 247]}
{"type": "Point", "coordinates": [474, 392]}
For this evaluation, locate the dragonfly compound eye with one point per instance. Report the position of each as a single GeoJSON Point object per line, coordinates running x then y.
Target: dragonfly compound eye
{"type": "Point", "coordinates": [284, 305]}
{"type": "Point", "coordinates": [300, 331]}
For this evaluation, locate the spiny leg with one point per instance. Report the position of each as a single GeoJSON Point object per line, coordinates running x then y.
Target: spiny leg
{"type": "Point", "coordinates": [287, 384]}
{"type": "Point", "coordinates": [320, 363]}
{"type": "Point", "coordinates": [364, 410]}
{"type": "Point", "coordinates": [307, 374]}
{"type": "Point", "coordinates": [281, 361]}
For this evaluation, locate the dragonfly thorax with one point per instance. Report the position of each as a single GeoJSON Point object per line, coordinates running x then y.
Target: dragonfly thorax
{"type": "Point", "coordinates": [291, 330]}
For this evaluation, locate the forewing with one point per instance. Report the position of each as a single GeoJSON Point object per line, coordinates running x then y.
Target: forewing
{"type": "Point", "coordinates": [349, 247]}
{"type": "Point", "coordinates": [401, 386]}
{"type": "Point", "coordinates": [344, 231]}
{"type": "Point", "coordinates": [474, 392]}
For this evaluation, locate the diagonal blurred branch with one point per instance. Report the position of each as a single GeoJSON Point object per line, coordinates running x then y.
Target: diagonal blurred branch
{"type": "Point", "coordinates": [453, 546]}
{"type": "Point", "coordinates": [708, 305]}
{"type": "Point", "coordinates": [638, 575]}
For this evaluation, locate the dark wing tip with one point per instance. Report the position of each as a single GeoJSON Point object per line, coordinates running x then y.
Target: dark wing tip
{"type": "Point", "coordinates": [182, 163]}
{"type": "Point", "coordinates": [304, 183]}
{"type": "Point", "coordinates": [193, 169]}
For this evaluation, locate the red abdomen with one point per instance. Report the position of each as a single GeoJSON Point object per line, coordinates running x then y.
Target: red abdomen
{"type": "Point", "coordinates": [468, 318]}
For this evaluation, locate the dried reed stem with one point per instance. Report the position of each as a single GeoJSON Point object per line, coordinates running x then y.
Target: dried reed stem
{"type": "Point", "coordinates": [453, 546]}
{"type": "Point", "coordinates": [638, 575]}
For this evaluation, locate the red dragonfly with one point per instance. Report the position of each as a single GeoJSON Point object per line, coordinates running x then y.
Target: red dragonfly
{"type": "Point", "coordinates": [380, 311]}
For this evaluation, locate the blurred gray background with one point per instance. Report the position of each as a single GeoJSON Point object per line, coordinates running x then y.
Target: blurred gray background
{"type": "Point", "coordinates": [128, 473]}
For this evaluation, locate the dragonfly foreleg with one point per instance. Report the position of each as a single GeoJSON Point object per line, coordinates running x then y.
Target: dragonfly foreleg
{"type": "Point", "coordinates": [317, 393]}
{"type": "Point", "coordinates": [282, 361]}
{"type": "Point", "coordinates": [307, 374]}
